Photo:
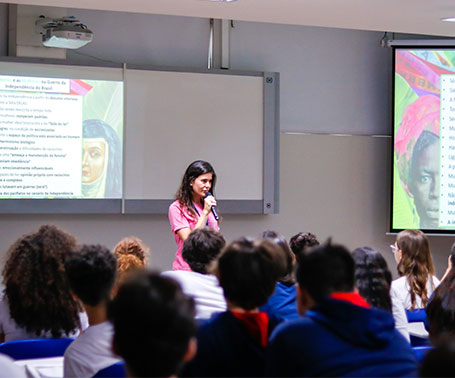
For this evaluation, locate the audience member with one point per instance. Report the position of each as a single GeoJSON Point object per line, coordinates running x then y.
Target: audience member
{"type": "Point", "coordinates": [299, 242]}
{"type": "Point", "coordinates": [91, 275]}
{"type": "Point", "coordinates": [415, 267]}
{"type": "Point", "coordinates": [441, 307]}
{"type": "Point", "coordinates": [154, 325]}
{"type": "Point", "coordinates": [37, 302]}
{"type": "Point", "coordinates": [440, 361]}
{"type": "Point", "coordinates": [9, 370]}
{"type": "Point", "coordinates": [200, 249]}
{"type": "Point", "coordinates": [232, 343]}
{"type": "Point", "coordinates": [283, 302]}
{"type": "Point", "coordinates": [131, 255]}
{"type": "Point", "coordinates": [373, 280]}
{"type": "Point", "coordinates": [339, 334]}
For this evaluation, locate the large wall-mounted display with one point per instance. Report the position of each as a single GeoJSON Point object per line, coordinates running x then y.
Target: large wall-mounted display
{"type": "Point", "coordinates": [91, 139]}
{"type": "Point", "coordinates": [424, 140]}
{"type": "Point", "coordinates": [60, 137]}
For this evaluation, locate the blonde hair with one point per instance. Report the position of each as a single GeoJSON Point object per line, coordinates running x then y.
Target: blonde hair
{"type": "Point", "coordinates": [132, 245]}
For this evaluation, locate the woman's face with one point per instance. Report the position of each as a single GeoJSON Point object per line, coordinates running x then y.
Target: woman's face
{"type": "Point", "coordinates": [424, 186]}
{"type": "Point", "coordinates": [397, 253]}
{"type": "Point", "coordinates": [201, 185]}
{"type": "Point", "coordinates": [93, 159]}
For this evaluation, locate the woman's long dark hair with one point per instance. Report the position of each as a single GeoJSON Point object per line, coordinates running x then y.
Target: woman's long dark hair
{"type": "Point", "coordinates": [441, 308]}
{"type": "Point", "coordinates": [185, 193]}
{"type": "Point", "coordinates": [416, 263]}
{"type": "Point", "coordinates": [373, 277]}
{"type": "Point", "coordinates": [35, 282]}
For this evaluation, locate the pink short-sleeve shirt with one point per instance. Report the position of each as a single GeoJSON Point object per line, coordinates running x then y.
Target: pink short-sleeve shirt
{"type": "Point", "coordinates": [179, 218]}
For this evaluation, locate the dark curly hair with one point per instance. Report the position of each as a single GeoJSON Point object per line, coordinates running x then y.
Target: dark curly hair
{"type": "Point", "coordinates": [301, 241]}
{"type": "Point", "coordinates": [91, 273]}
{"type": "Point", "coordinates": [185, 193]}
{"type": "Point", "coordinates": [201, 247]}
{"type": "Point", "coordinates": [373, 277]}
{"type": "Point", "coordinates": [36, 285]}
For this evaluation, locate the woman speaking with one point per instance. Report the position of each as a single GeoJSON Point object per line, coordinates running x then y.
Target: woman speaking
{"type": "Point", "coordinates": [192, 206]}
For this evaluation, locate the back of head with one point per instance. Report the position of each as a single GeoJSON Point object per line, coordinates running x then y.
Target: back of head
{"type": "Point", "coordinates": [372, 277]}
{"type": "Point", "coordinates": [288, 277]}
{"type": "Point", "coordinates": [36, 285]}
{"type": "Point", "coordinates": [132, 245]}
{"type": "Point", "coordinates": [248, 270]}
{"type": "Point", "coordinates": [416, 262]}
{"type": "Point", "coordinates": [126, 265]}
{"type": "Point", "coordinates": [201, 247]}
{"type": "Point", "coordinates": [440, 361]}
{"type": "Point", "coordinates": [91, 273]}
{"type": "Point", "coordinates": [153, 324]}
{"type": "Point", "coordinates": [302, 240]}
{"type": "Point", "coordinates": [441, 309]}
{"type": "Point", "coordinates": [324, 270]}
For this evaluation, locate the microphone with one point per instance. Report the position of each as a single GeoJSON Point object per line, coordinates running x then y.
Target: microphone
{"type": "Point", "coordinates": [214, 210]}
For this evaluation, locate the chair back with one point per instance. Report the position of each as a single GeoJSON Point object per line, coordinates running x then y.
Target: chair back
{"type": "Point", "coordinates": [35, 348]}
{"type": "Point", "coordinates": [116, 371]}
{"type": "Point", "coordinates": [417, 315]}
{"type": "Point", "coordinates": [421, 351]}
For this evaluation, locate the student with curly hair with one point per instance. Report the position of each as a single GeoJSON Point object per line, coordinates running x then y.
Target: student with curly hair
{"type": "Point", "coordinates": [417, 280]}
{"type": "Point", "coordinates": [131, 255]}
{"type": "Point", "coordinates": [37, 301]}
{"type": "Point", "coordinates": [301, 241]}
{"type": "Point", "coordinates": [200, 249]}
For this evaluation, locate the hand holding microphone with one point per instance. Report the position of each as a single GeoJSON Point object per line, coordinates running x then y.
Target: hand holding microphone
{"type": "Point", "coordinates": [210, 203]}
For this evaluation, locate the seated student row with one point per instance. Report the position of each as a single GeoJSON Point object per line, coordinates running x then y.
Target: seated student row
{"type": "Point", "coordinates": [49, 235]}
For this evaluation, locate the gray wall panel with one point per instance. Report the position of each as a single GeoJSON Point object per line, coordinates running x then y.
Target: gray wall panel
{"type": "Point", "coordinates": [332, 80]}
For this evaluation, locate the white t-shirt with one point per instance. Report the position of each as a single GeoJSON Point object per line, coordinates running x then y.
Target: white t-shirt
{"type": "Point", "coordinates": [90, 352]}
{"type": "Point", "coordinates": [9, 370]}
{"type": "Point", "coordinates": [12, 331]}
{"type": "Point", "coordinates": [400, 290]}
{"type": "Point", "coordinates": [204, 288]}
{"type": "Point", "coordinates": [399, 315]}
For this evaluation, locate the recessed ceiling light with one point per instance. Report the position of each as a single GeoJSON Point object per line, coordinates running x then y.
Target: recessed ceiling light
{"type": "Point", "coordinates": [222, 1]}
{"type": "Point", "coordinates": [448, 19]}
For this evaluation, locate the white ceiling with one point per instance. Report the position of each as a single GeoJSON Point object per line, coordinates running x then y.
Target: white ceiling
{"type": "Point", "coordinates": [403, 16]}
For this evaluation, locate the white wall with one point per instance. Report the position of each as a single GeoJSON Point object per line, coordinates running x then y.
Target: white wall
{"type": "Point", "coordinates": [332, 81]}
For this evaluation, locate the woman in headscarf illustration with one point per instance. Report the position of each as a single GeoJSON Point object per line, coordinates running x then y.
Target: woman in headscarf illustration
{"type": "Point", "coordinates": [417, 150]}
{"type": "Point", "coordinates": [101, 161]}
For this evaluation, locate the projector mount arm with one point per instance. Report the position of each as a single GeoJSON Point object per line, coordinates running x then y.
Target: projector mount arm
{"type": "Point", "coordinates": [43, 23]}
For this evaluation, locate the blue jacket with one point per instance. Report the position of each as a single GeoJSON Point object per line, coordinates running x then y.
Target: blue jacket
{"type": "Point", "coordinates": [338, 338]}
{"type": "Point", "coordinates": [225, 349]}
{"type": "Point", "coordinates": [283, 302]}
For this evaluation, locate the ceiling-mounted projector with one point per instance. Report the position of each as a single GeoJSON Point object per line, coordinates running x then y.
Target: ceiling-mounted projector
{"type": "Point", "coordinates": [64, 33]}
